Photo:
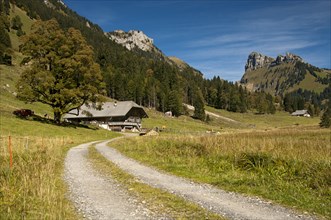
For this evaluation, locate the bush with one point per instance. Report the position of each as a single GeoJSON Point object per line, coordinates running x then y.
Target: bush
{"type": "Point", "coordinates": [326, 119]}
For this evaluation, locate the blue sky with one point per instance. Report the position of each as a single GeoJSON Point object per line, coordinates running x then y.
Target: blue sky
{"type": "Point", "coordinates": [216, 36]}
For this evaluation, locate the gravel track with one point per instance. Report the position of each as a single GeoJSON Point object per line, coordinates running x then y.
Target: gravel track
{"type": "Point", "coordinates": [97, 197]}
{"type": "Point", "coordinates": [230, 205]}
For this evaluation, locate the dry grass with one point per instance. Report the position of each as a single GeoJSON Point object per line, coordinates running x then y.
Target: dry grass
{"type": "Point", "coordinates": [33, 187]}
{"type": "Point", "coordinates": [289, 166]}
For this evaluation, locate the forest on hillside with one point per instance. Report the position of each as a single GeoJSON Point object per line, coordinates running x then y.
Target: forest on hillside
{"type": "Point", "coordinates": [149, 80]}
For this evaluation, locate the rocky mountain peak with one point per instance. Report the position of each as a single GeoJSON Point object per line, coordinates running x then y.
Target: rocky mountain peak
{"type": "Point", "coordinates": [49, 4]}
{"type": "Point", "coordinates": [288, 58]}
{"type": "Point", "coordinates": [257, 60]}
{"type": "Point", "coordinates": [132, 39]}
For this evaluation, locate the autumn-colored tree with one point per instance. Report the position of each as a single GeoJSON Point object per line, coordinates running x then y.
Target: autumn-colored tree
{"type": "Point", "coordinates": [63, 73]}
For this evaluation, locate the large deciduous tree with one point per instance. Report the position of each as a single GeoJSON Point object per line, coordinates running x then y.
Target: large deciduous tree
{"type": "Point", "coordinates": [63, 73]}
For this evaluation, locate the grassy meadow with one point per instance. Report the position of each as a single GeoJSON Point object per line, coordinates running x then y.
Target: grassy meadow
{"type": "Point", "coordinates": [251, 120]}
{"type": "Point", "coordinates": [289, 166]}
{"type": "Point", "coordinates": [279, 157]}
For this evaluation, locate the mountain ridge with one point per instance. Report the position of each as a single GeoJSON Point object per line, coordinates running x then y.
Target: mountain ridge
{"type": "Point", "coordinates": [283, 74]}
{"type": "Point", "coordinates": [138, 41]}
{"type": "Point", "coordinates": [164, 83]}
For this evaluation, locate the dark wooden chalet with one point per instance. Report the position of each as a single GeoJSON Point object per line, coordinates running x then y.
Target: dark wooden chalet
{"type": "Point", "coordinates": [112, 115]}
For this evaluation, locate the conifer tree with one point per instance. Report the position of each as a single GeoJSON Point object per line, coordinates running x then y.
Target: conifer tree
{"type": "Point", "coordinates": [326, 118]}
{"type": "Point", "coordinates": [174, 103]}
{"type": "Point", "coordinates": [199, 106]}
{"type": "Point", "coordinates": [5, 41]}
{"type": "Point", "coordinates": [16, 23]}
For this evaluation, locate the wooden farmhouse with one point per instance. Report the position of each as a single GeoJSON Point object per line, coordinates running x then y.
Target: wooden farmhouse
{"type": "Point", "coordinates": [112, 115]}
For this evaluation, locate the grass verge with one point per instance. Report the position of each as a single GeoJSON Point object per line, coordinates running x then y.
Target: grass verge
{"type": "Point", "coordinates": [289, 166]}
{"type": "Point", "coordinates": [160, 202]}
{"type": "Point", "coordinates": [33, 187]}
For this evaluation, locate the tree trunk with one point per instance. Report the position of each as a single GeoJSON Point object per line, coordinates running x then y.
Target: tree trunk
{"type": "Point", "coordinates": [57, 117]}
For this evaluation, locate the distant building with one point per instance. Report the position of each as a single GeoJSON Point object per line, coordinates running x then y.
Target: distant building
{"type": "Point", "coordinates": [303, 113]}
{"type": "Point", "coordinates": [168, 114]}
{"type": "Point", "coordinates": [111, 116]}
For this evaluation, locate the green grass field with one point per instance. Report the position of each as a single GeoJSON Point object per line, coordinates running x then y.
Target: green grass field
{"type": "Point", "coordinates": [267, 121]}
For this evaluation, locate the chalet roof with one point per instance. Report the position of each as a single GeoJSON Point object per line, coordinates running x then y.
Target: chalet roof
{"type": "Point", "coordinates": [299, 112]}
{"type": "Point", "coordinates": [109, 109]}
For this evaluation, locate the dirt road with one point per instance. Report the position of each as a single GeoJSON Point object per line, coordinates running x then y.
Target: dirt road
{"type": "Point", "coordinates": [96, 197]}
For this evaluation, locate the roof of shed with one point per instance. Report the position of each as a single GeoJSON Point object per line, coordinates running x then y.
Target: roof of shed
{"type": "Point", "coordinates": [109, 109]}
{"type": "Point", "coordinates": [300, 112]}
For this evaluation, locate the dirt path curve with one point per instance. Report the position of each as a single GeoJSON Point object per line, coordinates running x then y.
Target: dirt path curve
{"type": "Point", "coordinates": [190, 107]}
{"type": "Point", "coordinates": [230, 205]}
{"type": "Point", "coordinates": [95, 196]}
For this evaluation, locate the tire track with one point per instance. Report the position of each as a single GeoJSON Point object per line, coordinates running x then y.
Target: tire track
{"type": "Point", "coordinates": [94, 196]}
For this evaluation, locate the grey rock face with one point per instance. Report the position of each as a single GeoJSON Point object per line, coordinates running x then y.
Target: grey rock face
{"type": "Point", "coordinates": [132, 39]}
{"type": "Point", "coordinates": [288, 58]}
{"type": "Point", "coordinates": [257, 60]}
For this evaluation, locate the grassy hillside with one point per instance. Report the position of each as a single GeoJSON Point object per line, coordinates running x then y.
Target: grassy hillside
{"type": "Point", "coordinates": [180, 63]}
{"type": "Point", "coordinates": [284, 78]}
{"type": "Point", "coordinates": [27, 23]}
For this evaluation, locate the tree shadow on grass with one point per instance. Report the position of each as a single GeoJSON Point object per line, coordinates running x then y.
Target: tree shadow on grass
{"type": "Point", "coordinates": [46, 120]}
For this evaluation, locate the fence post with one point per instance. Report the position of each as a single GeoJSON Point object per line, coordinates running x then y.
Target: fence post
{"type": "Point", "coordinates": [27, 143]}
{"type": "Point", "coordinates": [10, 152]}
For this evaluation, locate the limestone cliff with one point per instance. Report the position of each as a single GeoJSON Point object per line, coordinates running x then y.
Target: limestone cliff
{"type": "Point", "coordinates": [257, 60]}
{"type": "Point", "coordinates": [283, 74]}
{"type": "Point", "coordinates": [136, 40]}
{"type": "Point", "coordinates": [132, 39]}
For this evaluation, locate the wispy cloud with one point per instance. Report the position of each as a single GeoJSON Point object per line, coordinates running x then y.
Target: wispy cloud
{"type": "Point", "coordinates": [272, 31]}
{"type": "Point", "coordinates": [217, 36]}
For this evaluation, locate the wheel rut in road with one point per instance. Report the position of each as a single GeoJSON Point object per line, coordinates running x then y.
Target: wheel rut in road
{"type": "Point", "coordinates": [227, 204]}
{"type": "Point", "coordinates": [95, 196]}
